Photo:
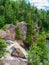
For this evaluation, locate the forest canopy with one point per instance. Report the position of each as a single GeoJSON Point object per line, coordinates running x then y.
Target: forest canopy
{"type": "Point", "coordinates": [11, 11]}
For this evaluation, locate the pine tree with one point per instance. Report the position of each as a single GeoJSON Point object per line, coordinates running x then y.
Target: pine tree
{"type": "Point", "coordinates": [2, 47]}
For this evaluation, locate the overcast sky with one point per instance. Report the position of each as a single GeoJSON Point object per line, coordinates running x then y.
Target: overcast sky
{"type": "Point", "coordinates": [40, 4]}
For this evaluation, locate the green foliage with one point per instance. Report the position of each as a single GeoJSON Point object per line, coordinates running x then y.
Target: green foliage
{"type": "Point", "coordinates": [2, 21]}
{"type": "Point", "coordinates": [10, 11]}
{"type": "Point", "coordinates": [38, 51]}
{"type": "Point", "coordinates": [18, 33]}
{"type": "Point", "coordinates": [28, 40]}
{"type": "Point", "coordinates": [30, 32]}
{"type": "Point", "coordinates": [2, 10]}
{"type": "Point", "coordinates": [2, 47]}
{"type": "Point", "coordinates": [4, 27]}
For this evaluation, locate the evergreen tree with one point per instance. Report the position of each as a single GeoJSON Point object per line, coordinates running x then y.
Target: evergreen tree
{"type": "Point", "coordinates": [18, 33]}
{"type": "Point", "coordinates": [2, 47]}
{"type": "Point", "coordinates": [38, 51]}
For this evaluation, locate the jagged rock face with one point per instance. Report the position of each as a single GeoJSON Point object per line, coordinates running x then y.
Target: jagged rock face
{"type": "Point", "coordinates": [15, 62]}
{"type": "Point", "coordinates": [10, 32]}
{"type": "Point", "coordinates": [21, 43]}
{"type": "Point", "coordinates": [17, 53]}
{"type": "Point", "coordinates": [23, 29]}
{"type": "Point", "coordinates": [16, 50]}
{"type": "Point", "coordinates": [2, 34]}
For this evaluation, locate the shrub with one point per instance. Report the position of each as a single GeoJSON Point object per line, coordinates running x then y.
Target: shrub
{"type": "Point", "coordinates": [18, 33]}
{"type": "Point", "coordinates": [4, 27]}
{"type": "Point", "coordinates": [30, 33]}
{"type": "Point", "coordinates": [2, 47]}
{"type": "Point", "coordinates": [2, 21]}
{"type": "Point", "coordinates": [38, 51]}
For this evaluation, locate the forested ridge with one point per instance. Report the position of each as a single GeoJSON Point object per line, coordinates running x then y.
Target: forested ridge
{"type": "Point", "coordinates": [13, 12]}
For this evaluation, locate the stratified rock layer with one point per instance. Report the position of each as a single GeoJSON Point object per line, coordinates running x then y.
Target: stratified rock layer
{"type": "Point", "coordinates": [18, 61]}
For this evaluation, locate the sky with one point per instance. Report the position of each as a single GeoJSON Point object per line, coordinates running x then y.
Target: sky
{"type": "Point", "coordinates": [40, 4]}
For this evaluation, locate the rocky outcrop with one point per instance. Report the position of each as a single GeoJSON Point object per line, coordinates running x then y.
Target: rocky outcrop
{"type": "Point", "coordinates": [16, 50]}
{"type": "Point", "coordinates": [10, 32]}
{"type": "Point", "coordinates": [21, 43]}
{"type": "Point", "coordinates": [2, 34]}
{"type": "Point", "coordinates": [17, 53]}
{"type": "Point", "coordinates": [23, 29]}
{"type": "Point", "coordinates": [17, 61]}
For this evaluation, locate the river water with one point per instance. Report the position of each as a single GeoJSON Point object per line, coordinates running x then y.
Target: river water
{"type": "Point", "coordinates": [48, 45]}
